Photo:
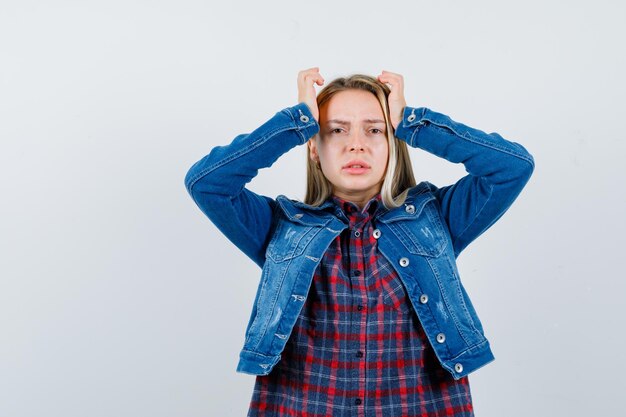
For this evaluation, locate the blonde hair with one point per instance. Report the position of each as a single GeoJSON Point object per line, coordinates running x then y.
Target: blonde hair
{"type": "Point", "coordinates": [399, 176]}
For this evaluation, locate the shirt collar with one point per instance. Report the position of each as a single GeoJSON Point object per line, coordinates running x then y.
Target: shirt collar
{"type": "Point", "coordinates": [350, 209]}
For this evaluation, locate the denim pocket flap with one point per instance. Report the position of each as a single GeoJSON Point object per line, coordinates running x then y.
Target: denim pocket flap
{"type": "Point", "coordinates": [289, 240]}
{"type": "Point", "coordinates": [422, 236]}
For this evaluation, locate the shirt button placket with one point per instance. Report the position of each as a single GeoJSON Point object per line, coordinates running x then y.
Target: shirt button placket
{"type": "Point", "coordinates": [360, 319]}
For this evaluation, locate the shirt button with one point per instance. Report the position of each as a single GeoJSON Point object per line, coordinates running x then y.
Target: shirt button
{"type": "Point", "coordinates": [376, 233]}
{"type": "Point", "coordinates": [359, 354]}
{"type": "Point", "coordinates": [304, 118]}
{"type": "Point", "coordinates": [357, 233]}
{"type": "Point", "coordinates": [360, 307]}
{"type": "Point", "coordinates": [410, 209]}
{"type": "Point", "coordinates": [404, 262]}
{"type": "Point", "coordinates": [458, 367]}
{"type": "Point", "coordinates": [358, 401]}
{"type": "Point", "coordinates": [357, 273]}
{"type": "Point", "coordinates": [441, 338]}
{"type": "Point", "coordinates": [423, 298]}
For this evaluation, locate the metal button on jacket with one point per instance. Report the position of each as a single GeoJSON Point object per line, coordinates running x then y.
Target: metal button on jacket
{"type": "Point", "coordinates": [410, 208]}
{"type": "Point", "coordinates": [458, 367]}
{"type": "Point", "coordinates": [411, 117]}
{"type": "Point", "coordinates": [404, 261]}
{"type": "Point", "coordinates": [376, 233]}
{"type": "Point", "coordinates": [441, 338]}
{"type": "Point", "coordinates": [423, 298]}
{"type": "Point", "coordinates": [304, 118]}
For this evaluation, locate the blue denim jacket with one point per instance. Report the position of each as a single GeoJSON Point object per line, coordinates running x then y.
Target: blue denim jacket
{"type": "Point", "coordinates": [422, 238]}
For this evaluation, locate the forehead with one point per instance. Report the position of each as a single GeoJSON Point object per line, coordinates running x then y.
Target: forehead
{"type": "Point", "coordinates": [351, 105]}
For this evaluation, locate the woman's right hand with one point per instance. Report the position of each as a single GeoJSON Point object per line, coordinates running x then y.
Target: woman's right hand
{"type": "Point", "coordinates": [306, 92]}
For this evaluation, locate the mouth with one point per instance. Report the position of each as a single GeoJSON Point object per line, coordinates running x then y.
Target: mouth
{"type": "Point", "coordinates": [356, 163]}
{"type": "Point", "coordinates": [355, 167]}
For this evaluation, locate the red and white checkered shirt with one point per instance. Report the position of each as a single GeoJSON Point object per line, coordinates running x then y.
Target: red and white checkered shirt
{"type": "Point", "coordinates": [357, 348]}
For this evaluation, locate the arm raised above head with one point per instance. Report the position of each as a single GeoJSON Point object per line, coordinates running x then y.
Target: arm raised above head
{"type": "Point", "coordinates": [217, 181]}
{"type": "Point", "coordinates": [498, 170]}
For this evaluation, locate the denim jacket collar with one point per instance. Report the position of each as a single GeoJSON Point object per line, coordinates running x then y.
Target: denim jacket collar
{"type": "Point", "coordinates": [413, 206]}
{"type": "Point", "coordinates": [305, 214]}
{"type": "Point", "coordinates": [308, 215]}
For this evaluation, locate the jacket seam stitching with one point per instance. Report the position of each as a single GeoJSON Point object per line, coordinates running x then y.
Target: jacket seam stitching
{"type": "Point", "coordinates": [479, 345]}
{"type": "Point", "coordinates": [446, 300]}
{"type": "Point", "coordinates": [468, 136]}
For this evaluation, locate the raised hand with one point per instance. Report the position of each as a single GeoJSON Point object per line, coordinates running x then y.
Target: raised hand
{"type": "Point", "coordinates": [396, 100]}
{"type": "Point", "coordinates": [306, 92]}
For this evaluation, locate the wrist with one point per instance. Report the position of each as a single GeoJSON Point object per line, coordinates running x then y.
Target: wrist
{"type": "Point", "coordinates": [396, 119]}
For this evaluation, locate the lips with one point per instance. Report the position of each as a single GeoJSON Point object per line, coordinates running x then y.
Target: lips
{"type": "Point", "coordinates": [356, 167]}
{"type": "Point", "coordinates": [356, 163]}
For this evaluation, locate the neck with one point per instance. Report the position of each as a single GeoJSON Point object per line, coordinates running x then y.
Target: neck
{"type": "Point", "coordinates": [359, 199]}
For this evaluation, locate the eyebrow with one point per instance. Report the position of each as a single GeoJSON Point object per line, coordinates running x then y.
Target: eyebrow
{"type": "Point", "coordinates": [344, 122]}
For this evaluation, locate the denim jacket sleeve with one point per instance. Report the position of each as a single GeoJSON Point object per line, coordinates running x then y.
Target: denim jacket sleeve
{"type": "Point", "coordinates": [217, 182]}
{"type": "Point", "coordinates": [497, 169]}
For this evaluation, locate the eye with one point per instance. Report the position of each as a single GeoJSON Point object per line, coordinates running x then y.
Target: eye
{"type": "Point", "coordinates": [376, 131]}
{"type": "Point", "coordinates": [336, 130]}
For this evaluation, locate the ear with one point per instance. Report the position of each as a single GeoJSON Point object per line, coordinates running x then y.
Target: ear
{"type": "Point", "coordinates": [312, 144]}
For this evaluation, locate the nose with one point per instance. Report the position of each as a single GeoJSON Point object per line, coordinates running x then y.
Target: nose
{"type": "Point", "coordinates": [356, 142]}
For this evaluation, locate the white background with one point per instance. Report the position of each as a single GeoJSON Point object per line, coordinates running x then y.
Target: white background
{"type": "Point", "coordinates": [119, 298]}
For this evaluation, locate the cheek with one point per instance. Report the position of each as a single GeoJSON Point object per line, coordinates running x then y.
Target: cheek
{"type": "Point", "coordinates": [328, 152]}
{"type": "Point", "coordinates": [382, 153]}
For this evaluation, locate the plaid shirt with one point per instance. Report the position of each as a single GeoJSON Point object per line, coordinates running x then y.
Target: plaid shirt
{"type": "Point", "coordinates": [357, 348]}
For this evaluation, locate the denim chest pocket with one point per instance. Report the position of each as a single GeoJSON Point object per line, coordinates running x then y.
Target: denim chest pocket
{"type": "Point", "coordinates": [289, 240]}
{"type": "Point", "coordinates": [424, 235]}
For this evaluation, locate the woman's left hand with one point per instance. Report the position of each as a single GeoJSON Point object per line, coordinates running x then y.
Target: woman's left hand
{"type": "Point", "coordinates": [396, 100]}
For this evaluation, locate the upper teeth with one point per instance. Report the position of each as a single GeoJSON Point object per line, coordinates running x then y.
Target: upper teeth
{"type": "Point", "coordinates": [356, 166]}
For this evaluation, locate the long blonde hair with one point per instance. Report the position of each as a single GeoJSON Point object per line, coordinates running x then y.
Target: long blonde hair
{"type": "Point", "coordinates": [399, 176]}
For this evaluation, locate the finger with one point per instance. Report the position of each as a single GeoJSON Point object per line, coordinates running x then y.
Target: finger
{"type": "Point", "coordinates": [312, 69]}
{"type": "Point", "coordinates": [390, 75]}
{"type": "Point", "coordinates": [312, 75]}
{"type": "Point", "coordinates": [395, 79]}
{"type": "Point", "coordinates": [311, 79]}
{"type": "Point", "coordinates": [305, 73]}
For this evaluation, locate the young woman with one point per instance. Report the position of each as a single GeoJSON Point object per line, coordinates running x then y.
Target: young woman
{"type": "Point", "coordinates": [360, 309]}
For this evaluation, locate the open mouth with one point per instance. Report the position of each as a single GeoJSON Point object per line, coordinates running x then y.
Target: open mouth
{"type": "Point", "coordinates": [355, 169]}
{"type": "Point", "coordinates": [356, 166]}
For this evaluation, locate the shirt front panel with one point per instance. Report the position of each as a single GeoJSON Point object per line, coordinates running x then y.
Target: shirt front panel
{"type": "Point", "coordinates": [357, 348]}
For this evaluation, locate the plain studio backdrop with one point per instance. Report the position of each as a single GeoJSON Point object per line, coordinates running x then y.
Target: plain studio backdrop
{"type": "Point", "coordinates": [118, 297]}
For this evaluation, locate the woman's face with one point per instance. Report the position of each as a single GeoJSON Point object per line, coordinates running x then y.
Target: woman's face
{"type": "Point", "coordinates": [352, 132]}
